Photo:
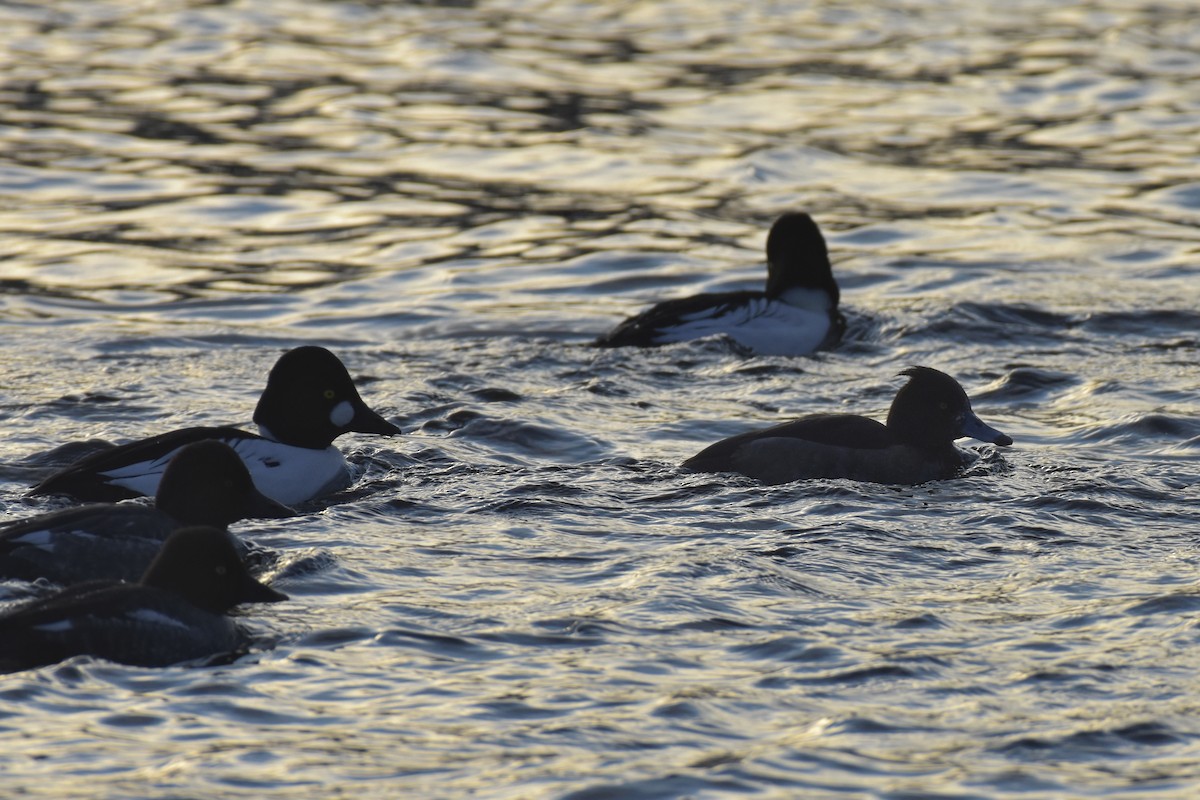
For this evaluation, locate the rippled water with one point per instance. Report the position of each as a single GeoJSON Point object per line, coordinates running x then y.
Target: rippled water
{"type": "Point", "coordinates": [523, 597]}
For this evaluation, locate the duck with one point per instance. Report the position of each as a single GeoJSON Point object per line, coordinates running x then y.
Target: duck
{"type": "Point", "coordinates": [795, 314]}
{"type": "Point", "coordinates": [916, 444]}
{"type": "Point", "coordinates": [176, 612]}
{"type": "Point", "coordinates": [205, 483]}
{"type": "Point", "coordinates": [309, 401]}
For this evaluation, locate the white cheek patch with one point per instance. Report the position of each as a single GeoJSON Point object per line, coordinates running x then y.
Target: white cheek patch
{"type": "Point", "coordinates": [341, 414]}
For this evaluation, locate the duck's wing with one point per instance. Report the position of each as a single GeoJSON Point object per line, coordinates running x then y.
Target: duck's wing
{"type": "Point", "coordinates": [78, 544]}
{"type": "Point", "coordinates": [94, 478]}
{"type": "Point", "coordinates": [121, 622]}
{"type": "Point", "coordinates": [97, 519]}
{"type": "Point", "coordinates": [649, 328]}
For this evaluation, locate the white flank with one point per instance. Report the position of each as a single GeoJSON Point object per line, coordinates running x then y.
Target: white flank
{"type": "Point", "coordinates": [797, 324]}
{"type": "Point", "coordinates": [142, 476]}
{"type": "Point", "coordinates": [292, 475]}
{"type": "Point", "coordinates": [287, 474]}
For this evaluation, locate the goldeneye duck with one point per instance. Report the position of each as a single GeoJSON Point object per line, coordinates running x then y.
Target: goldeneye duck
{"type": "Point", "coordinates": [204, 484]}
{"type": "Point", "coordinates": [916, 445]}
{"type": "Point", "coordinates": [796, 314]}
{"type": "Point", "coordinates": [176, 612]}
{"type": "Point", "coordinates": [309, 401]}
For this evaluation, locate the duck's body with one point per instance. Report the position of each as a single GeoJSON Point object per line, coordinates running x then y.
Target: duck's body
{"type": "Point", "coordinates": [916, 445]}
{"type": "Point", "coordinates": [122, 622]}
{"type": "Point", "coordinates": [797, 313]}
{"type": "Point", "coordinates": [309, 401]}
{"type": "Point", "coordinates": [92, 542]}
{"type": "Point", "coordinates": [175, 613]}
{"type": "Point", "coordinates": [286, 473]}
{"type": "Point", "coordinates": [204, 484]}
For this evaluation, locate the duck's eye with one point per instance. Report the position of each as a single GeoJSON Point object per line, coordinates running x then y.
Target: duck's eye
{"type": "Point", "coordinates": [943, 405]}
{"type": "Point", "coordinates": [221, 571]}
{"type": "Point", "coordinates": [329, 394]}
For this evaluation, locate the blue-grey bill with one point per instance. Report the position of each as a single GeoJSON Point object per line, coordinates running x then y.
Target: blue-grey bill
{"type": "Point", "coordinates": [976, 428]}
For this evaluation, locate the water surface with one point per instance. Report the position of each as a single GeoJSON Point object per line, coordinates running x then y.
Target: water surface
{"type": "Point", "coordinates": [523, 597]}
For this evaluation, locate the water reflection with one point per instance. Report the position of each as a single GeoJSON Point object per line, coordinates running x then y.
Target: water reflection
{"type": "Point", "coordinates": [525, 595]}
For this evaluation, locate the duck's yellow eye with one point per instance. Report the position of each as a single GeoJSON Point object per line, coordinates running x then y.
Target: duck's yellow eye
{"type": "Point", "coordinates": [330, 394]}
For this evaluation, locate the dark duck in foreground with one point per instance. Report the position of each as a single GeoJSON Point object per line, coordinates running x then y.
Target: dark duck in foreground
{"type": "Point", "coordinates": [916, 445]}
{"type": "Point", "coordinates": [796, 314]}
{"type": "Point", "coordinates": [309, 401]}
{"type": "Point", "coordinates": [204, 484]}
{"type": "Point", "coordinates": [175, 613]}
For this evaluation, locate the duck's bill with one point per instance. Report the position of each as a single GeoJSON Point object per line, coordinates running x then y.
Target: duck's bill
{"type": "Point", "coordinates": [255, 592]}
{"type": "Point", "coordinates": [976, 428]}
{"type": "Point", "coordinates": [367, 421]}
{"type": "Point", "coordinates": [260, 506]}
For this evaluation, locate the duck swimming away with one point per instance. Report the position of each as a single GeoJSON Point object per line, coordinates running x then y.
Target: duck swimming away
{"type": "Point", "coordinates": [795, 314]}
